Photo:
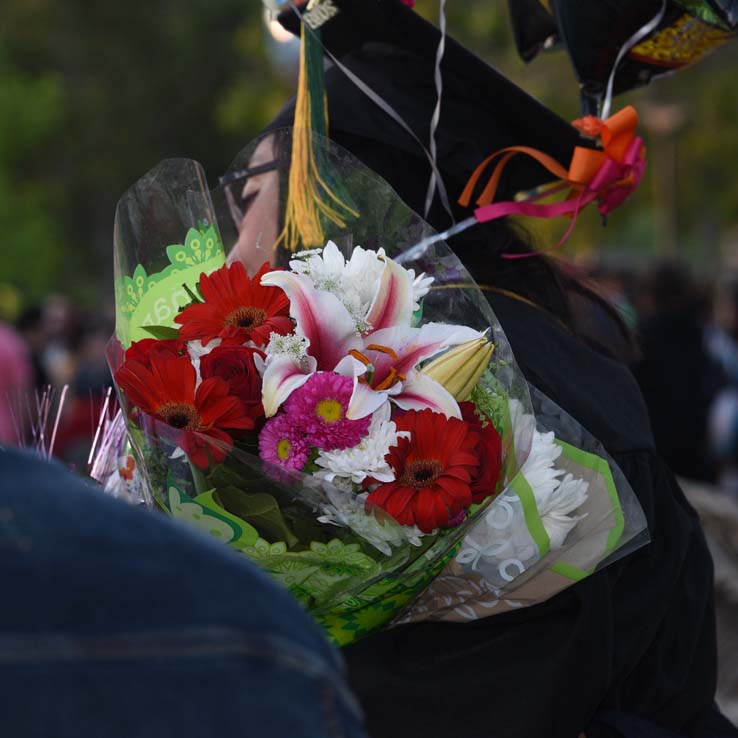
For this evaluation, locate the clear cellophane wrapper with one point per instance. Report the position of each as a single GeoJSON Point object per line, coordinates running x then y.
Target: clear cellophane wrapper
{"type": "Point", "coordinates": [559, 510]}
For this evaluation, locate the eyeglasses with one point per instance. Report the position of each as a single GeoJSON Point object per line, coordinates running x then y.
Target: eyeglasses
{"type": "Point", "coordinates": [233, 185]}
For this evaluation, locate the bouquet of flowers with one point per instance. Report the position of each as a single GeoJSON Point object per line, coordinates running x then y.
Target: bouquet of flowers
{"type": "Point", "coordinates": [352, 420]}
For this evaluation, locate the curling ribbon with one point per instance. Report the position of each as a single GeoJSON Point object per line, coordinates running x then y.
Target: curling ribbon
{"type": "Point", "coordinates": [609, 175]}
{"type": "Point", "coordinates": [436, 117]}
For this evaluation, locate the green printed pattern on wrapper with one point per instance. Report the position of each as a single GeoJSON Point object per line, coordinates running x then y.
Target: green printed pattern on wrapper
{"type": "Point", "coordinates": [533, 521]}
{"type": "Point", "coordinates": [155, 299]}
{"type": "Point", "coordinates": [600, 467]}
{"type": "Point", "coordinates": [313, 575]}
{"type": "Point", "coordinates": [206, 515]}
{"type": "Point", "coordinates": [316, 575]}
{"type": "Point", "coordinates": [494, 403]}
{"type": "Point", "coordinates": [377, 605]}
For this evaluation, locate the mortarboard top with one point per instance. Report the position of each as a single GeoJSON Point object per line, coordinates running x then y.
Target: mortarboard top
{"type": "Point", "coordinates": [393, 49]}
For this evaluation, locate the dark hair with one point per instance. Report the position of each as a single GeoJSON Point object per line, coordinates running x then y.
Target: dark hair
{"type": "Point", "coordinates": [544, 282]}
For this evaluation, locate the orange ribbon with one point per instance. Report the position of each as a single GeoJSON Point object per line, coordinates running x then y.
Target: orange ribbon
{"type": "Point", "coordinates": [617, 136]}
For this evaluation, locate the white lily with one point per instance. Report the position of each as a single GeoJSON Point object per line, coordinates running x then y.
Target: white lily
{"type": "Point", "coordinates": [381, 361]}
{"type": "Point", "coordinates": [384, 368]}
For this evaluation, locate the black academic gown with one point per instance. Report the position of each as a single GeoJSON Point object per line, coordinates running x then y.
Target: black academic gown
{"type": "Point", "coordinates": [675, 363]}
{"type": "Point", "coordinates": [633, 642]}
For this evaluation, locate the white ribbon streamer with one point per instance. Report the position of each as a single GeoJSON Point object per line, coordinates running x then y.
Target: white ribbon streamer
{"type": "Point", "coordinates": [419, 249]}
{"type": "Point", "coordinates": [387, 108]}
{"type": "Point", "coordinates": [639, 35]}
{"type": "Point", "coordinates": [436, 117]}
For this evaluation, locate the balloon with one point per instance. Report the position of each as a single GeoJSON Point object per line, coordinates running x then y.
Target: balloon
{"type": "Point", "coordinates": [660, 36]}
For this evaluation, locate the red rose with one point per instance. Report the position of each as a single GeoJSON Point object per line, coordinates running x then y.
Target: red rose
{"type": "Point", "coordinates": [235, 364]}
{"type": "Point", "coordinates": [490, 454]}
{"type": "Point", "coordinates": [142, 351]}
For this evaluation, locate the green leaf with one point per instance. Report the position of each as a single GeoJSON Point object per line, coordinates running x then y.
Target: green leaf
{"type": "Point", "coordinates": [260, 510]}
{"type": "Point", "coordinates": [162, 332]}
{"type": "Point", "coordinates": [310, 466]}
{"type": "Point", "coordinates": [194, 299]}
{"type": "Point", "coordinates": [305, 526]}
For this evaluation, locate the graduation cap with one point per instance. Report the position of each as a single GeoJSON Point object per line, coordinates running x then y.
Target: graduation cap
{"type": "Point", "coordinates": [392, 50]}
{"type": "Point", "coordinates": [484, 118]}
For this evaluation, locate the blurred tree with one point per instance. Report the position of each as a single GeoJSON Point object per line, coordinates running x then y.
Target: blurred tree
{"type": "Point", "coordinates": [92, 95]}
{"type": "Point", "coordinates": [31, 111]}
{"type": "Point", "coordinates": [105, 92]}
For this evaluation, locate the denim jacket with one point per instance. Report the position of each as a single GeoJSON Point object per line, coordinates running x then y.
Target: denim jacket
{"type": "Point", "coordinates": [115, 621]}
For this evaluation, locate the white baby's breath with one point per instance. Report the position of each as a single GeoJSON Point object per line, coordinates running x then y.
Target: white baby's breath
{"type": "Point", "coordinates": [292, 345]}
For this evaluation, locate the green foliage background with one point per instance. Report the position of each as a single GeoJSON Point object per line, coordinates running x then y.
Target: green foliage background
{"type": "Point", "coordinates": [92, 95]}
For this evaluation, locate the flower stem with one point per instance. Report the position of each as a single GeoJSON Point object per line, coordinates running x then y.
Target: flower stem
{"type": "Point", "coordinates": [198, 479]}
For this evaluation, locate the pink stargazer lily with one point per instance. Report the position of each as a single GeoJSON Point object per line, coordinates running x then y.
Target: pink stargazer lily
{"type": "Point", "coordinates": [382, 361]}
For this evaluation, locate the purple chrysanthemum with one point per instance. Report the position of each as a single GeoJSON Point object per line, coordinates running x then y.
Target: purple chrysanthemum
{"type": "Point", "coordinates": [282, 443]}
{"type": "Point", "coordinates": [319, 409]}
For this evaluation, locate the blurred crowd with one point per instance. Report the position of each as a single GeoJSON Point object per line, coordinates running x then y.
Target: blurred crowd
{"type": "Point", "coordinates": [684, 355]}
{"type": "Point", "coordinates": [54, 364]}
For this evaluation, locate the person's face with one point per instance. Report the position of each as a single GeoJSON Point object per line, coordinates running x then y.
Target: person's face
{"type": "Point", "coordinates": [256, 203]}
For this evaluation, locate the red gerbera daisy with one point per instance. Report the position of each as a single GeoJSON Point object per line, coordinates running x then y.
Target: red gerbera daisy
{"type": "Point", "coordinates": [433, 469]}
{"type": "Point", "coordinates": [234, 300]}
{"type": "Point", "coordinates": [166, 391]}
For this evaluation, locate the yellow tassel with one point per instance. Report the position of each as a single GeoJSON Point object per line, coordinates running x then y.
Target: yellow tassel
{"type": "Point", "coordinates": [309, 197]}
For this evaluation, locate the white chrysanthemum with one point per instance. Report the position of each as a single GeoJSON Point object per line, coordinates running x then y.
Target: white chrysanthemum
{"type": "Point", "coordinates": [523, 425]}
{"type": "Point", "coordinates": [556, 498]}
{"type": "Point", "coordinates": [326, 268]}
{"type": "Point", "coordinates": [556, 509]}
{"type": "Point", "coordinates": [365, 460]}
{"type": "Point", "coordinates": [364, 270]}
{"type": "Point", "coordinates": [349, 510]}
{"type": "Point", "coordinates": [363, 274]}
{"type": "Point", "coordinates": [539, 470]}
{"type": "Point", "coordinates": [501, 539]}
